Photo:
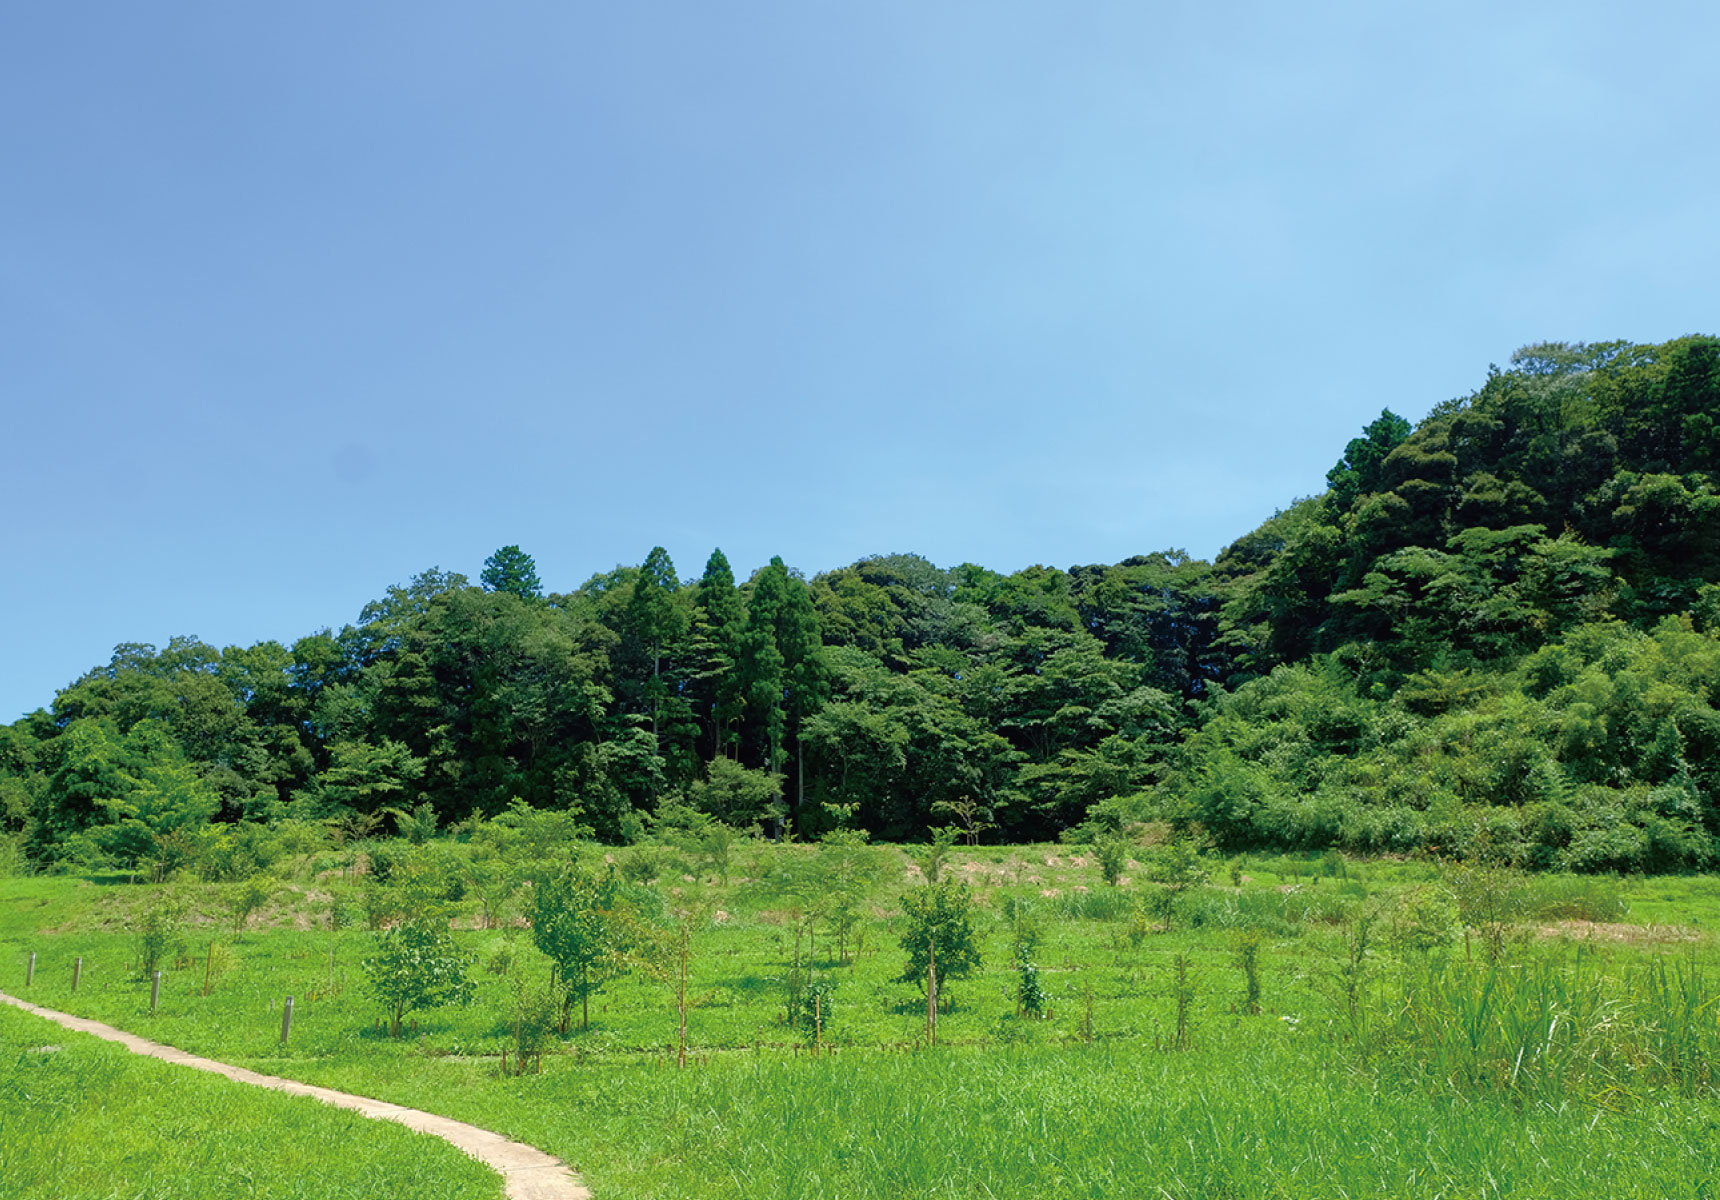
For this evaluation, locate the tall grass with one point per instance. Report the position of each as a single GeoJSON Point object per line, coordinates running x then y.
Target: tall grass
{"type": "Point", "coordinates": [1259, 1117]}
{"type": "Point", "coordinates": [1576, 897]}
{"type": "Point", "coordinates": [12, 859]}
{"type": "Point", "coordinates": [1558, 1028]}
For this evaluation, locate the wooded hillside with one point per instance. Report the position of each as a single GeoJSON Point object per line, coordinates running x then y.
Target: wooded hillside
{"type": "Point", "coordinates": [1497, 627]}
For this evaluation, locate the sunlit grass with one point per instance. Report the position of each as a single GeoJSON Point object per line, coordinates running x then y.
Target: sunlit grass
{"type": "Point", "coordinates": [1576, 1069]}
{"type": "Point", "coordinates": [80, 1117]}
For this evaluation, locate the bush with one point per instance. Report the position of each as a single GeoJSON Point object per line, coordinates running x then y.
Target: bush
{"type": "Point", "coordinates": [813, 1009]}
{"type": "Point", "coordinates": [1422, 918]}
{"type": "Point", "coordinates": [931, 857]}
{"type": "Point", "coordinates": [157, 930]}
{"type": "Point", "coordinates": [1113, 855]}
{"type": "Point", "coordinates": [938, 927]}
{"type": "Point", "coordinates": [245, 900]}
{"type": "Point", "coordinates": [533, 1023]}
{"type": "Point", "coordinates": [644, 863]}
{"type": "Point", "coordinates": [13, 860]}
{"type": "Point", "coordinates": [417, 965]}
{"type": "Point", "coordinates": [227, 853]}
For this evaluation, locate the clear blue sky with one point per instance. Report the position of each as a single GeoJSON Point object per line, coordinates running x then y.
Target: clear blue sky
{"type": "Point", "coordinates": [298, 300]}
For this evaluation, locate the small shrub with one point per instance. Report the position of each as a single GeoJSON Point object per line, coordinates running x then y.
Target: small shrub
{"type": "Point", "coordinates": [643, 863]}
{"type": "Point", "coordinates": [1025, 933]}
{"type": "Point", "coordinates": [417, 965]}
{"type": "Point", "coordinates": [1490, 898]}
{"type": "Point", "coordinates": [535, 1013]}
{"type": "Point", "coordinates": [1248, 959]}
{"type": "Point", "coordinates": [501, 959]}
{"type": "Point", "coordinates": [1030, 998]}
{"type": "Point", "coordinates": [932, 857]}
{"type": "Point", "coordinates": [158, 932]}
{"type": "Point", "coordinates": [245, 900]}
{"type": "Point", "coordinates": [1353, 966]}
{"type": "Point", "coordinates": [417, 826]}
{"type": "Point", "coordinates": [1113, 855]}
{"type": "Point", "coordinates": [938, 929]}
{"type": "Point", "coordinates": [1179, 866]}
{"type": "Point", "coordinates": [1422, 918]}
{"type": "Point", "coordinates": [1237, 869]}
{"type": "Point", "coordinates": [1183, 992]}
{"type": "Point", "coordinates": [1140, 924]}
{"type": "Point", "coordinates": [814, 1009]}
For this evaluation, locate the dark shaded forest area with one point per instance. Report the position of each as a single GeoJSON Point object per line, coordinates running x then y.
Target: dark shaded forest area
{"type": "Point", "coordinates": [1497, 629]}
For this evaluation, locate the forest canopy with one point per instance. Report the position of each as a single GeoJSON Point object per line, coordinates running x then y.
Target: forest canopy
{"type": "Point", "coordinates": [1496, 629]}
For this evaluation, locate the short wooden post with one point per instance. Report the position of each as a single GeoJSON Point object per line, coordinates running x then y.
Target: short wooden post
{"type": "Point", "coordinates": [30, 971]}
{"type": "Point", "coordinates": [155, 992]}
{"type": "Point", "coordinates": [77, 972]}
{"type": "Point", "coordinates": [932, 990]}
{"type": "Point", "coordinates": [286, 1020]}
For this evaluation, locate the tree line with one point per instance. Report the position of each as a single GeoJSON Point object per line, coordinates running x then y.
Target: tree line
{"type": "Point", "coordinates": [1495, 629]}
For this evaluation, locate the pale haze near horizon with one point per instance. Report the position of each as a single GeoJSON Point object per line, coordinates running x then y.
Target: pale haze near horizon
{"type": "Point", "coordinates": [299, 302]}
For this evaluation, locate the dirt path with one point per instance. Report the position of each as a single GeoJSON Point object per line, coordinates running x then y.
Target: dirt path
{"type": "Point", "coordinates": [527, 1172]}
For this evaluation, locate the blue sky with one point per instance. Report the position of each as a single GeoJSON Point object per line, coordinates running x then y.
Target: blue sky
{"type": "Point", "coordinates": [299, 300]}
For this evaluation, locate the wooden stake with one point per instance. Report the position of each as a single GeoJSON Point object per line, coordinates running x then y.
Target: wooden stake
{"type": "Point", "coordinates": [286, 1020]}
{"type": "Point", "coordinates": [932, 991]}
{"type": "Point", "coordinates": [30, 971]}
{"type": "Point", "coordinates": [155, 992]}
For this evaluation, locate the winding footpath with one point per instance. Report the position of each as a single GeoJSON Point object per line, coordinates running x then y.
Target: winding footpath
{"type": "Point", "coordinates": [527, 1172]}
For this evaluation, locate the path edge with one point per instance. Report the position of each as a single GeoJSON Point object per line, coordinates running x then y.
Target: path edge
{"type": "Point", "coordinates": [527, 1172]}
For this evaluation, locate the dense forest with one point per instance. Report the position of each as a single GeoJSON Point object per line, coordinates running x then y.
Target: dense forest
{"type": "Point", "coordinates": [1498, 629]}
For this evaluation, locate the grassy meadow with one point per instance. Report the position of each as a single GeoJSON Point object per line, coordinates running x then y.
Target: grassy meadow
{"type": "Point", "coordinates": [84, 1119]}
{"type": "Point", "coordinates": [1275, 1026]}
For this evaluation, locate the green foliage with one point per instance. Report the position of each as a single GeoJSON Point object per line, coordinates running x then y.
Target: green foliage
{"type": "Point", "coordinates": [932, 857]}
{"type": "Point", "coordinates": [1495, 631]}
{"type": "Point", "coordinates": [1179, 865]}
{"type": "Point", "coordinates": [1641, 1046]}
{"type": "Point", "coordinates": [245, 900]}
{"type": "Point", "coordinates": [585, 926]}
{"type": "Point", "coordinates": [1548, 1029]}
{"type": "Point", "coordinates": [416, 965]}
{"type": "Point", "coordinates": [417, 826]}
{"type": "Point", "coordinates": [1031, 999]}
{"type": "Point", "coordinates": [527, 835]}
{"type": "Point", "coordinates": [1248, 954]}
{"type": "Point", "coordinates": [159, 931]}
{"type": "Point", "coordinates": [846, 868]}
{"type": "Point", "coordinates": [1422, 918]}
{"type": "Point", "coordinates": [532, 1023]}
{"type": "Point", "coordinates": [1113, 855]}
{"type": "Point", "coordinates": [937, 926]}
{"type": "Point", "coordinates": [101, 1121]}
{"type": "Point", "coordinates": [737, 796]}
{"type": "Point", "coordinates": [511, 570]}
{"type": "Point", "coordinates": [813, 1009]}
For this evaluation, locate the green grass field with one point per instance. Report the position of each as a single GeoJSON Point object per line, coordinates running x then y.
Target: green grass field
{"type": "Point", "coordinates": [1582, 1060]}
{"type": "Point", "coordinates": [82, 1118]}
